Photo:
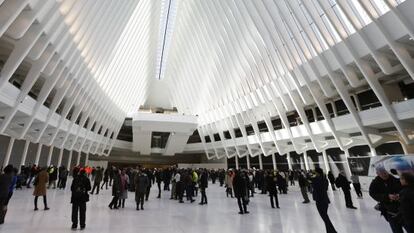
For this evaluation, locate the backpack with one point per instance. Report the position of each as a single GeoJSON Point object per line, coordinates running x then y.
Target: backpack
{"type": "Point", "coordinates": [78, 190]}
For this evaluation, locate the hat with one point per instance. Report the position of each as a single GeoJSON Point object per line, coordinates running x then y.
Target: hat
{"type": "Point", "coordinates": [380, 168]}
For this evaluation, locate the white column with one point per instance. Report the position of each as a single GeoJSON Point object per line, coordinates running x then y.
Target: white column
{"type": "Point", "coordinates": [38, 152]}
{"type": "Point", "coordinates": [325, 161]}
{"type": "Point", "coordinates": [335, 111]}
{"type": "Point", "coordinates": [49, 156]}
{"type": "Point", "coordinates": [274, 161]}
{"type": "Point", "coordinates": [347, 163]}
{"type": "Point", "coordinates": [78, 158]}
{"type": "Point", "coordinates": [289, 161]}
{"type": "Point", "coordinates": [305, 159]}
{"type": "Point", "coordinates": [315, 114]}
{"type": "Point", "coordinates": [60, 158]}
{"type": "Point", "coordinates": [373, 151]}
{"type": "Point", "coordinates": [87, 160]}
{"type": "Point", "coordinates": [69, 160]}
{"type": "Point", "coordinates": [260, 162]}
{"type": "Point", "coordinates": [248, 161]}
{"type": "Point", "coordinates": [8, 153]}
{"type": "Point", "coordinates": [237, 161]}
{"type": "Point", "coordinates": [24, 155]}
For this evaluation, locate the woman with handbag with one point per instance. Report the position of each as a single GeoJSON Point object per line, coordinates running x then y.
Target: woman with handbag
{"type": "Point", "coordinates": [40, 183]}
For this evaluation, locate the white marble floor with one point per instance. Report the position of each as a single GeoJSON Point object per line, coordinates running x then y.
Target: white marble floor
{"type": "Point", "coordinates": [219, 216]}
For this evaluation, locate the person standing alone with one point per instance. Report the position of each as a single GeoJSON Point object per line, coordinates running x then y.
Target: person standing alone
{"type": "Point", "coordinates": [40, 187]}
{"type": "Point", "coordinates": [203, 187]}
{"type": "Point", "coordinates": [141, 183]}
{"type": "Point", "coordinates": [343, 183]}
{"type": "Point", "coordinates": [320, 196]}
{"type": "Point", "coordinates": [80, 187]}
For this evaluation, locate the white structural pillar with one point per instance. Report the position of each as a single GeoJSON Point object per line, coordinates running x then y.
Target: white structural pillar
{"type": "Point", "coordinates": [87, 159]}
{"type": "Point", "coordinates": [38, 152]}
{"type": "Point", "coordinates": [60, 158]}
{"type": "Point", "coordinates": [69, 160]}
{"type": "Point", "coordinates": [325, 161]}
{"type": "Point", "coordinates": [237, 161]}
{"type": "Point", "coordinates": [289, 161]}
{"type": "Point", "coordinates": [248, 161]}
{"type": "Point", "coordinates": [24, 155]}
{"type": "Point", "coordinates": [305, 159]}
{"type": "Point", "coordinates": [373, 151]}
{"type": "Point", "coordinates": [78, 158]}
{"type": "Point", "coordinates": [8, 153]}
{"type": "Point", "coordinates": [260, 162]}
{"type": "Point", "coordinates": [49, 156]}
{"type": "Point", "coordinates": [274, 161]}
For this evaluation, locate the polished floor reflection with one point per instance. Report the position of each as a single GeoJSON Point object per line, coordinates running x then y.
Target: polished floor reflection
{"type": "Point", "coordinates": [219, 216]}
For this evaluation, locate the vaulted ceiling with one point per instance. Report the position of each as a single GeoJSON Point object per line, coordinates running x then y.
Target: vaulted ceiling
{"type": "Point", "coordinates": [95, 62]}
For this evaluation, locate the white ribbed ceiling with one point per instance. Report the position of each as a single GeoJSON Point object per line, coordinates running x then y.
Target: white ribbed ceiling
{"type": "Point", "coordinates": [216, 52]}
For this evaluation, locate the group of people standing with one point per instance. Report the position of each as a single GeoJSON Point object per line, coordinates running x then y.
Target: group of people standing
{"type": "Point", "coordinates": [395, 196]}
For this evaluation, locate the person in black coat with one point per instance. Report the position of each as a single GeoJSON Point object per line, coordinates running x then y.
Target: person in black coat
{"type": "Point", "coordinates": [407, 201]}
{"type": "Point", "coordinates": [116, 188]}
{"type": "Point", "coordinates": [385, 189]}
{"type": "Point", "coordinates": [304, 184]}
{"type": "Point", "coordinates": [80, 187]}
{"type": "Point", "coordinates": [271, 187]}
{"type": "Point", "coordinates": [6, 181]}
{"type": "Point", "coordinates": [343, 183]}
{"type": "Point", "coordinates": [320, 196]}
{"type": "Point", "coordinates": [240, 191]}
{"type": "Point", "coordinates": [158, 179]}
{"type": "Point", "coordinates": [105, 179]}
{"type": "Point", "coordinates": [203, 184]}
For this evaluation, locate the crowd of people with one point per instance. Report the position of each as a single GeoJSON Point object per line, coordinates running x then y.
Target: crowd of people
{"type": "Point", "coordinates": [395, 196]}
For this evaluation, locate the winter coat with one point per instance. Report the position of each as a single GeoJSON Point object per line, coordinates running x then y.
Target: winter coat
{"type": "Point", "coordinates": [228, 181]}
{"type": "Point", "coordinates": [141, 183]}
{"type": "Point", "coordinates": [407, 207]}
{"type": "Point", "coordinates": [320, 189]}
{"type": "Point", "coordinates": [41, 180]}
{"type": "Point", "coordinates": [80, 187]}
{"type": "Point", "coordinates": [271, 183]}
{"type": "Point", "coordinates": [203, 180]}
{"type": "Point", "coordinates": [240, 186]}
{"type": "Point", "coordinates": [379, 190]}
{"type": "Point", "coordinates": [124, 188]}
{"type": "Point", "coordinates": [303, 182]}
{"type": "Point", "coordinates": [98, 176]}
{"type": "Point", "coordinates": [5, 183]}
{"type": "Point", "coordinates": [342, 182]}
{"type": "Point", "coordinates": [53, 173]}
{"type": "Point", "coordinates": [116, 185]}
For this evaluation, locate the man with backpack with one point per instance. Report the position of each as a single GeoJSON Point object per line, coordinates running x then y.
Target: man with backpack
{"type": "Point", "coordinates": [80, 187]}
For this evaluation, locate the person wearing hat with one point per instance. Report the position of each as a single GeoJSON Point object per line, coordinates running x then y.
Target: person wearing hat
{"type": "Point", "coordinates": [385, 189]}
